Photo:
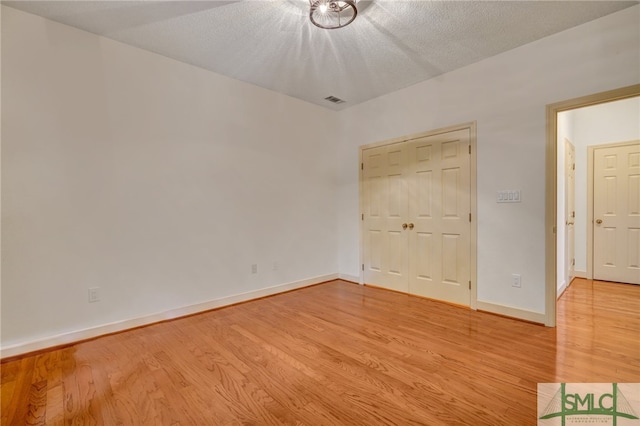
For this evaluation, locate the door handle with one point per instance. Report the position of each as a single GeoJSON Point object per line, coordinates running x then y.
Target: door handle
{"type": "Point", "coordinates": [404, 226]}
{"type": "Point", "coordinates": [569, 223]}
{"type": "Point", "coordinates": [599, 221]}
{"type": "Point", "coordinates": [411, 226]}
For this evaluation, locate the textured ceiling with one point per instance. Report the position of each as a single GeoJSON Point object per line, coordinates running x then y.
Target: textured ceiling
{"type": "Point", "coordinates": [271, 43]}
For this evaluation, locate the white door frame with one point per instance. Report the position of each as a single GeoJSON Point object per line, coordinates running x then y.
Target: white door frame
{"type": "Point", "coordinates": [473, 201]}
{"type": "Point", "coordinates": [551, 179]}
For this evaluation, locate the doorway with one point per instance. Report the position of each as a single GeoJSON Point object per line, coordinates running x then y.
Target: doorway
{"type": "Point", "coordinates": [555, 218]}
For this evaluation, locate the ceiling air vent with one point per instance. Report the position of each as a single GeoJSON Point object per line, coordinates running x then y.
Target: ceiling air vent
{"type": "Point", "coordinates": [334, 100]}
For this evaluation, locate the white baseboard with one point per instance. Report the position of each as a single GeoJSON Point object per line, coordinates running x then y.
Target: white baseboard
{"type": "Point", "coordinates": [115, 327]}
{"type": "Point", "coordinates": [561, 289]}
{"type": "Point", "coordinates": [347, 277]}
{"type": "Point", "coordinates": [580, 274]}
{"type": "Point", "coordinates": [512, 312]}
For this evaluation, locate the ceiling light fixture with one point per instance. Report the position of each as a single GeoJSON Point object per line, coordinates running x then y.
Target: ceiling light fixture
{"type": "Point", "coordinates": [330, 14]}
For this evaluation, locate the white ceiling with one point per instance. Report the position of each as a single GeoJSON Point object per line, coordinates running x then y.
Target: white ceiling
{"type": "Point", "coordinates": [392, 44]}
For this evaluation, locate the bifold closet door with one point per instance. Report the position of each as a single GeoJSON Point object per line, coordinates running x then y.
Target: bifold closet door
{"type": "Point", "coordinates": [416, 216]}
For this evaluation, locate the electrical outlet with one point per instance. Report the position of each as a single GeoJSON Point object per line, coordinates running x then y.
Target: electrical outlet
{"type": "Point", "coordinates": [254, 268]}
{"type": "Point", "coordinates": [94, 294]}
{"type": "Point", "coordinates": [516, 280]}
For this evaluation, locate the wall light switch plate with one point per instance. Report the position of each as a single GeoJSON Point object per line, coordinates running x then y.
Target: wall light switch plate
{"type": "Point", "coordinates": [509, 196]}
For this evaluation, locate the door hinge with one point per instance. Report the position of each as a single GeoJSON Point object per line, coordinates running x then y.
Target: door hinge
{"type": "Point", "coordinates": [469, 217]}
{"type": "Point", "coordinates": [573, 166]}
{"type": "Point", "coordinates": [362, 216]}
{"type": "Point", "coordinates": [573, 262]}
{"type": "Point", "coordinates": [573, 214]}
{"type": "Point", "coordinates": [363, 266]}
{"type": "Point", "coordinates": [361, 166]}
{"type": "Point", "coordinates": [469, 149]}
{"type": "Point", "coordinates": [469, 284]}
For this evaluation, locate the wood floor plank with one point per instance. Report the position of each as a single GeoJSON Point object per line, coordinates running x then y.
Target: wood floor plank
{"type": "Point", "coordinates": [54, 414]}
{"type": "Point", "coordinates": [18, 408]}
{"type": "Point", "coordinates": [37, 404]}
{"type": "Point", "coordinates": [6, 396]}
{"type": "Point", "coordinates": [334, 354]}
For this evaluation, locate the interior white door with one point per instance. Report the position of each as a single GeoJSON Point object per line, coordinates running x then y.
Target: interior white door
{"type": "Point", "coordinates": [570, 209]}
{"type": "Point", "coordinates": [416, 216]}
{"type": "Point", "coordinates": [439, 210]}
{"type": "Point", "coordinates": [384, 212]}
{"type": "Point", "coordinates": [616, 213]}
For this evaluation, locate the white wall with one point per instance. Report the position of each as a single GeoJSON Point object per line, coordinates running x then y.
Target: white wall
{"type": "Point", "coordinates": [506, 95]}
{"type": "Point", "coordinates": [159, 182]}
{"type": "Point", "coordinates": [602, 124]}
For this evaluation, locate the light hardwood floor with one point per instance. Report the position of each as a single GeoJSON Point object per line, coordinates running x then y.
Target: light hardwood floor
{"type": "Point", "coordinates": [332, 354]}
